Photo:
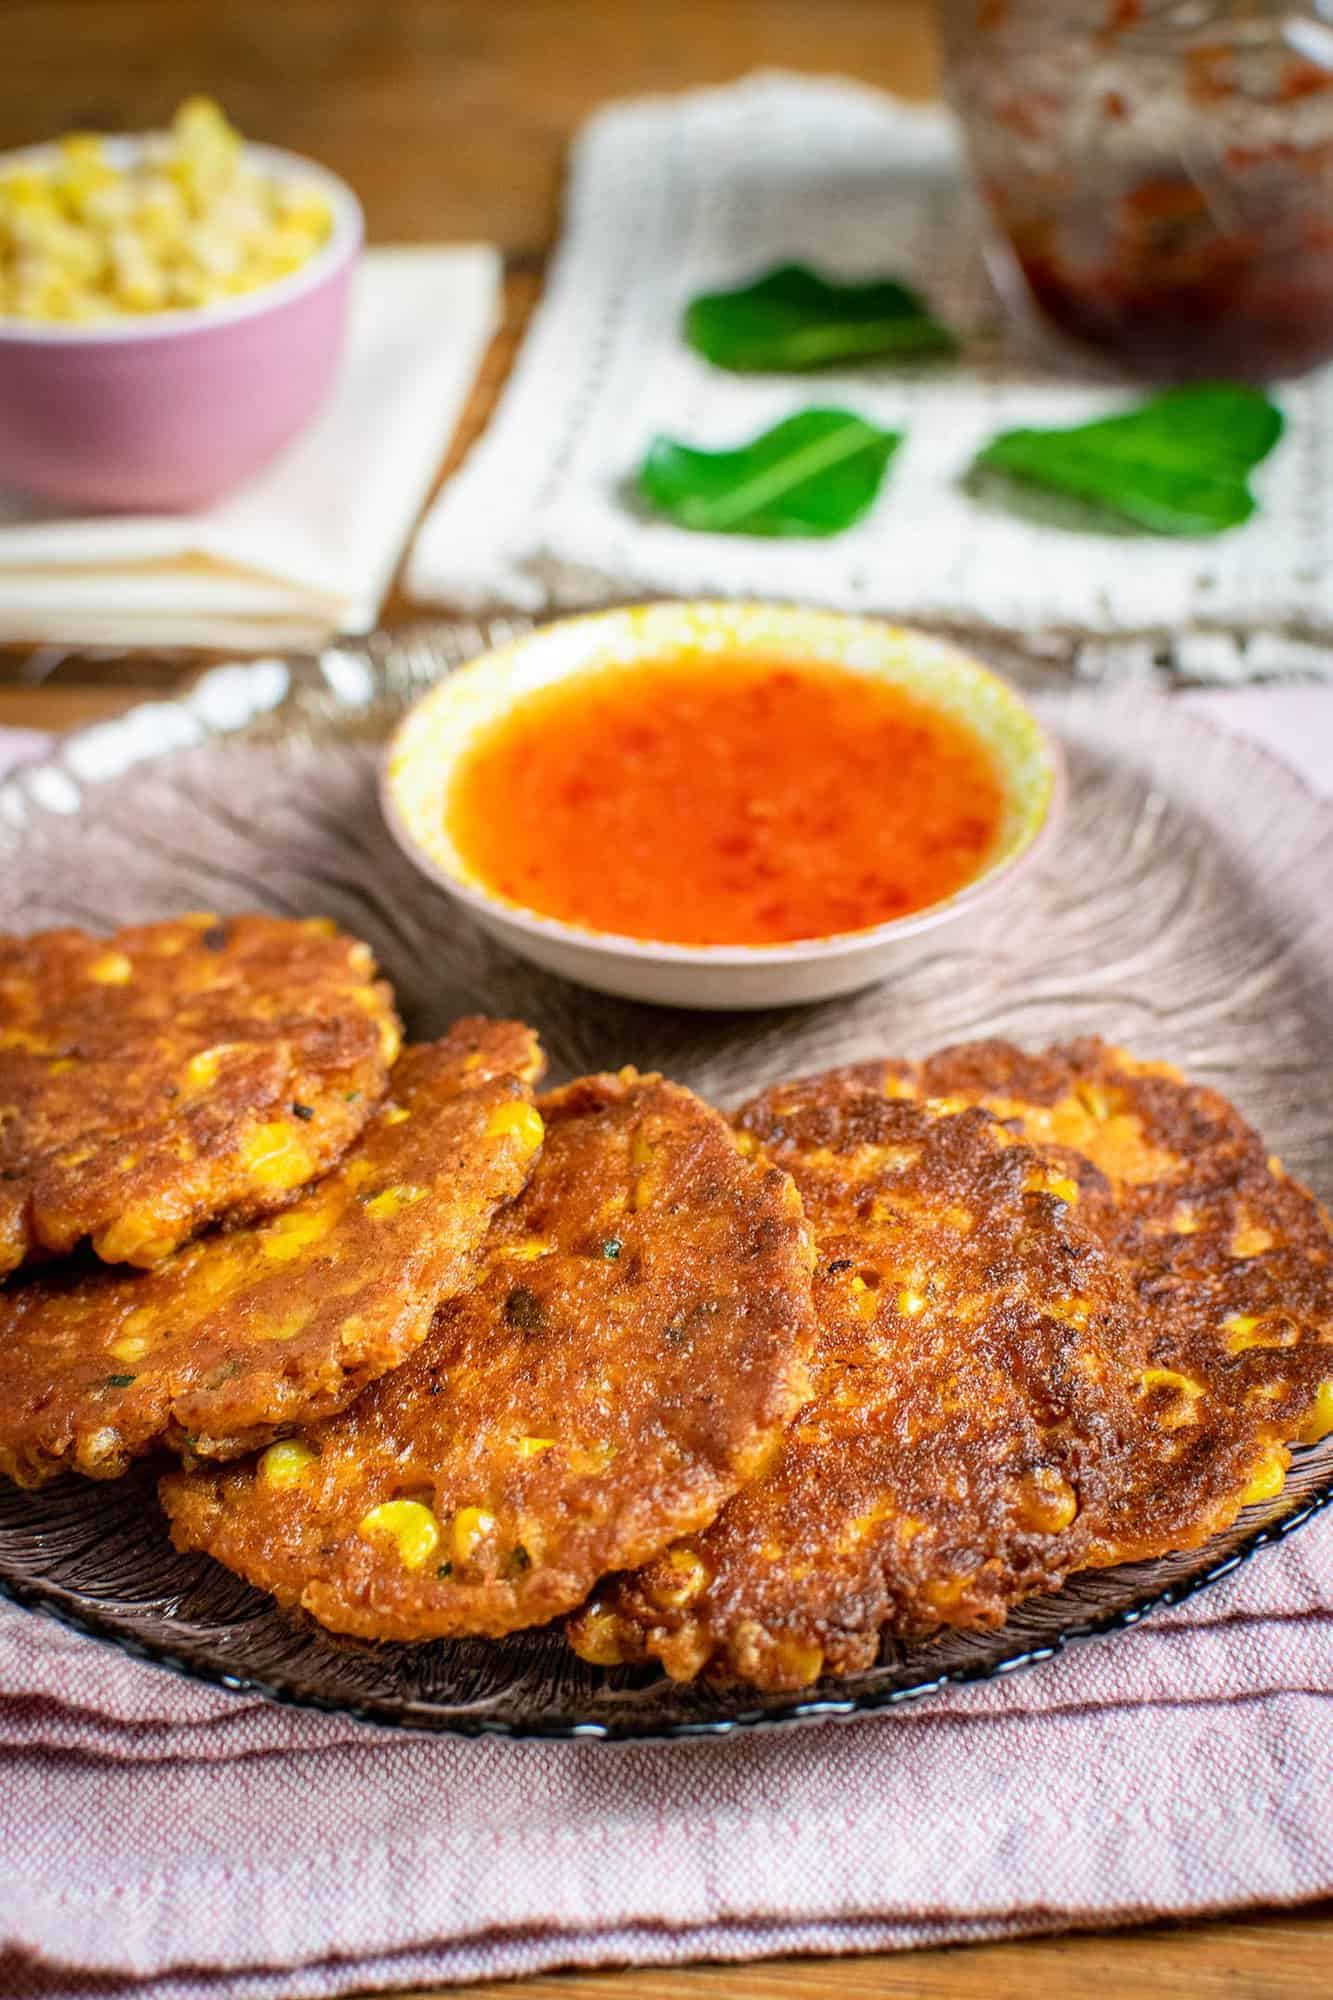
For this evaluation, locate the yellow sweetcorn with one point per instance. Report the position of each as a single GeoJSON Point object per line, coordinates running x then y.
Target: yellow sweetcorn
{"type": "Point", "coordinates": [1095, 1101]}
{"type": "Point", "coordinates": [1047, 1502]}
{"type": "Point", "coordinates": [948, 1593]}
{"type": "Point", "coordinates": [290, 1323]}
{"type": "Point", "coordinates": [135, 1238]}
{"type": "Point", "coordinates": [136, 1335]}
{"type": "Point", "coordinates": [1319, 1419]}
{"type": "Point", "coordinates": [863, 1298]}
{"type": "Point", "coordinates": [592, 1459]}
{"type": "Point", "coordinates": [410, 1526]}
{"type": "Point", "coordinates": [391, 1201]}
{"type": "Point", "coordinates": [532, 1447]}
{"type": "Point", "coordinates": [1245, 1330]}
{"type": "Point", "coordinates": [1185, 1393]}
{"type": "Point", "coordinates": [798, 1662]}
{"type": "Point", "coordinates": [1048, 1181]}
{"type": "Point", "coordinates": [111, 969]}
{"type": "Point", "coordinates": [191, 220]}
{"type": "Point", "coordinates": [285, 1464]}
{"type": "Point", "coordinates": [101, 1448]}
{"type": "Point", "coordinates": [201, 1070]}
{"type": "Point", "coordinates": [23, 1038]}
{"type": "Point", "coordinates": [289, 1236]}
{"type": "Point", "coordinates": [26, 190]}
{"type": "Point", "coordinates": [687, 1579]}
{"type": "Point", "coordinates": [526, 1249]}
{"type": "Point", "coordinates": [470, 1527]}
{"type": "Point", "coordinates": [161, 220]}
{"type": "Point", "coordinates": [275, 1157]}
{"type": "Point", "coordinates": [305, 210]}
{"type": "Point", "coordinates": [599, 1637]}
{"type": "Point", "coordinates": [1268, 1478]}
{"type": "Point", "coordinates": [519, 1119]}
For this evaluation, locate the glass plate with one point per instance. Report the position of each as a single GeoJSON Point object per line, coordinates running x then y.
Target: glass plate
{"type": "Point", "coordinates": [1183, 909]}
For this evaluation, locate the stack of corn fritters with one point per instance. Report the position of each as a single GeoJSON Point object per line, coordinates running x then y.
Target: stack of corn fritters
{"type": "Point", "coordinates": [904, 1345]}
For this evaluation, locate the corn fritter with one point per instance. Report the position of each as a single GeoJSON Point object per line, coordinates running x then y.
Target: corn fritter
{"type": "Point", "coordinates": [631, 1352]}
{"type": "Point", "coordinates": [242, 1336]}
{"type": "Point", "coordinates": [178, 1074]}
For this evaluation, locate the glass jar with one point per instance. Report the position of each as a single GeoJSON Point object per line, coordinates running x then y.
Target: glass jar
{"type": "Point", "coordinates": [1160, 172]}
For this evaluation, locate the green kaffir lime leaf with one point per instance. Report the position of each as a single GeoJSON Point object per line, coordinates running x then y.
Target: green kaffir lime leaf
{"type": "Point", "coordinates": [813, 474]}
{"type": "Point", "coordinates": [794, 318]}
{"type": "Point", "coordinates": [1177, 464]}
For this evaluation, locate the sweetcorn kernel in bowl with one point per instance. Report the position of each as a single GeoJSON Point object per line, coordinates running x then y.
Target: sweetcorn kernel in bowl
{"type": "Point", "coordinates": [172, 311]}
{"type": "Point", "coordinates": [92, 229]}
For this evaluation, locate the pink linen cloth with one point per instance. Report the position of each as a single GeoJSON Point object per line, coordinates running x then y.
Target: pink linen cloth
{"type": "Point", "coordinates": [172, 1841]}
{"type": "Point", "coordinates": [20, 746]}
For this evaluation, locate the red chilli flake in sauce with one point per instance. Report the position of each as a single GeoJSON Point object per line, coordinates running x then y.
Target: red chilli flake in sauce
{"type": "Point", "coordinates": [695, 802]}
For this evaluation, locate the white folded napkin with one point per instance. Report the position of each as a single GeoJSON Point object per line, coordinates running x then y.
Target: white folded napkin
{"type": "Point", "coordinates": [307, 549]}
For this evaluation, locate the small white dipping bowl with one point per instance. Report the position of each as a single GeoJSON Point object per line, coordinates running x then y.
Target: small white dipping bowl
{"type": "Point", "coordinates": [441, 728]}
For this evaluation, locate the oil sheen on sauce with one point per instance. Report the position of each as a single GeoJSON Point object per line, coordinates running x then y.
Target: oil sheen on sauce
{"type": "Point", "coordinates": [701, 801]}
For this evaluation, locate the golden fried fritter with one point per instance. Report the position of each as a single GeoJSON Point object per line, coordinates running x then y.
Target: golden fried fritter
{"type": "Point", "coordinates": [178, 1074]}
{"type": "Point", "coordinates": [629, 1355]}
{"type": "Point", "coordinates": [1230, 1260]}
{"type": "Point", "coordinates": [240, 1336]}
{"type": "Point", "coordinates": [967, 1406]}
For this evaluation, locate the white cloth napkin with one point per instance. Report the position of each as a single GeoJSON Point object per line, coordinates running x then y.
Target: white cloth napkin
{"type": "Point", "coordinates": [672, 196]}
{"type": "Point", "coordinates": [307, 549]}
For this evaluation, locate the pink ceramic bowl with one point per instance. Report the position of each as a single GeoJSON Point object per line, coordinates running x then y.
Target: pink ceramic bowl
{"type": "Point", "coordinates": [169, 412]}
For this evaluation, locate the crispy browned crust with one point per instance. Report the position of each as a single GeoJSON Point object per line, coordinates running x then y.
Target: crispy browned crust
{"type": "Point", "coordinates": [629, 1355]}
{"type": "Point", "coordinates": [240, 1336]}
{"type": "Point", "coordinates": [954, 1458]}
{"type": "Point", "coordinates": [177, 1074]}
{"type": "Point", "coordinates": [1228, 1257]}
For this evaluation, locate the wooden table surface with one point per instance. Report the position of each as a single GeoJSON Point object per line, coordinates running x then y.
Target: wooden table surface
{"type": "Point", "coordinates": [452, 120]}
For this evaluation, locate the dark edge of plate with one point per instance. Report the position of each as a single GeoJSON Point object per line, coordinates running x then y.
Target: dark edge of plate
{"type": "Point", "coordinates": [806, 1708]}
